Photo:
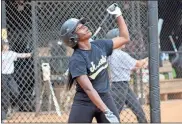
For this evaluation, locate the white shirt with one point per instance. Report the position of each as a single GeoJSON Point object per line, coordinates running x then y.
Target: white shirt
{"type": "Point", "coordinates": [8, 58]}
{"type": "Point", "coordinates": [120, 65]}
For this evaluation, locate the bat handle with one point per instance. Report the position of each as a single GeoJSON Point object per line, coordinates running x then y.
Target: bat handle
{"type": "Point", "coordinates": [173, 44]}
{"type": "Point", "coordinates": [111, 8]}
{"type": "Point", "coordinates": [96, 32]}
{"type": "Point", "coordinates": [100, 26]}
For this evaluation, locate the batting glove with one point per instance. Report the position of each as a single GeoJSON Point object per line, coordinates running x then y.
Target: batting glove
{"type": "Point", "coordinates": [110, 116]}
{"type": "Point", "coordinates": [117, 11]}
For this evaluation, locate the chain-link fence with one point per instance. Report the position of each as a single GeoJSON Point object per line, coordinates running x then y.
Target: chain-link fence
{"type": "Point", "coordinates": [34, 26]}
{"type": "Point", "coordinates": [170, 15]}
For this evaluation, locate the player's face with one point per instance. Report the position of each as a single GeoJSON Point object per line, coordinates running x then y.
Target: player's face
{"type": "Point", "coordinates": [83, 32]}
{"type": "Point", "coordinates": [5, 47]}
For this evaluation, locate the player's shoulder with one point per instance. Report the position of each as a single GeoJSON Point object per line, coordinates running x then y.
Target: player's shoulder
{"type": "Point", "coordinates": [119, 53]}
{"type": "Point", "coordinates": [76, 60]}
{"type": "Point", "coordinates": [123, 52]}
{"type": "Point", "coordinates": [11, 52]}
{"type": "Point", "coordinates": [76, 56]}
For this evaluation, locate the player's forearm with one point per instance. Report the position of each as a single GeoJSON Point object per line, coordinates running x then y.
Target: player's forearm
{"type": "Point", "coordinates": [123, 30]}
{"type": "Point", "coordinates": [86, 85]}
{"type": "Point", "coordinates": [95, 98]}
{"type": "Point", "coordinates": [24, 55]}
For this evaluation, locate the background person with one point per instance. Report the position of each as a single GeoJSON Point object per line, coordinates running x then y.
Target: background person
{"type": "Point", "coordinates": [121, 64]}
{"type": "Point", "coordinates": [9, 86]}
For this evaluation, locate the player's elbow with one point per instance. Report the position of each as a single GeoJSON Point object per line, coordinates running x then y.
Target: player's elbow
{"type": "Point", "coordinates": [124, 40]}
{"type": "Point", "coordinates": [127, 40]}
{"type": "Point", "coordinates": [119, 41]}
{"type": "Point", "coordinates": [88, 90]}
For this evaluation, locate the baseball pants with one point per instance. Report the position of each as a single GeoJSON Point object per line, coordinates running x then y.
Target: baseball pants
{"type": "Point", "coordinates": [83, 110]}
{"type": "Point", "coordinates": [9, 93]}
{"type": "Point", "coordinates": [123, 94]}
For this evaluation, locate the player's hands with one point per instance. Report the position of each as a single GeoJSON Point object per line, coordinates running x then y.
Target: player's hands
{"type": "Point", "coordinates": [114, 10]}
{"type": "Point", "coordinates": [146, 63]}
{"type": "Point", "coordinates": [32, 53]}
{"type": "Point", "coordinates": [110, 116]}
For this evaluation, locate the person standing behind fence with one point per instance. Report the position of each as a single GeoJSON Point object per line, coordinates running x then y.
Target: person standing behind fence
{"type": "Point", "coordinates": [9, 86]}
{"type": "Point", "coordinates": [88, 69]}
{"type": "Point", "coordinates": [120, 65]}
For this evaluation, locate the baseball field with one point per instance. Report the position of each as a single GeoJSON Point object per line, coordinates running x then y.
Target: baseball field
{"type": "Point", "coordinates": [170, 112]}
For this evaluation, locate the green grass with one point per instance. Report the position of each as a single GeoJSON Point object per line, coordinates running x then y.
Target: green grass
{"type": "Point", "coordinates": [174, 73]}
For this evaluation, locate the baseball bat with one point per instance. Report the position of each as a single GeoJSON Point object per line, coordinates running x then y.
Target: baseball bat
{"type": "Point", "coordinates": [111, 8]}
{"type": "Point", "coordinates": [46, 77]}
{"type": "Point", "coordinates": [54, 99]}
{"type": "Point", "coordinates": [173, 44]}
{"type": "Point", "coordinates": [174, 61]}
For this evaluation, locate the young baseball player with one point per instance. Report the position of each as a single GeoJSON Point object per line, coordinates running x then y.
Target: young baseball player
{"type": "Point", "coordinates": [120, 65]}
{"type": "Point", "coordinates": [88, 69]}
{"type": "Point", "coordinates": [9, 87]}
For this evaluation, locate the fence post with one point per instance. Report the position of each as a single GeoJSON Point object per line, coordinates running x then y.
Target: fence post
{"type": "Point", "coordinates": [3, 15]}
{"type": "Point", "coordinates": [154, 93]}
{"type": "Point", "coordinates": [35, 57]}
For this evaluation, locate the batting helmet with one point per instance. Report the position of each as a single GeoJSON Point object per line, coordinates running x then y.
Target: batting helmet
{"type": "Point", "coordinates": [68, 34]}
{"type": "Point", "coordinates": [112, 33]}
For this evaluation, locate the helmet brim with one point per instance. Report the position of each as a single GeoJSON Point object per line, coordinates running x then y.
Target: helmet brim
{"type": "Point", "coordinates": [82, 20]}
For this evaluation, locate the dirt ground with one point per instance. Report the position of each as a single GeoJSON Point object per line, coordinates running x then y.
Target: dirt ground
{"type": "Point", "coordinates": [171, 111]}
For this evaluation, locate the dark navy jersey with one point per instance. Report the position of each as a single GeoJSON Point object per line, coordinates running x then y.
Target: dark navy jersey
{"type": "Point", "coordinates": [92, 63]}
